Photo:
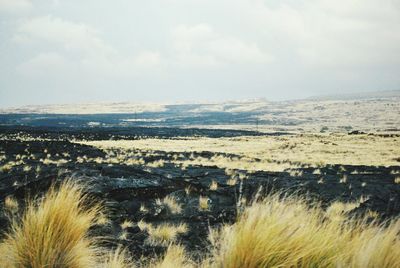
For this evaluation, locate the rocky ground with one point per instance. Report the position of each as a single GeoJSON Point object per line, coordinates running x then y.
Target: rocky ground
{"type": "Point", "coordinates": [207, 195]}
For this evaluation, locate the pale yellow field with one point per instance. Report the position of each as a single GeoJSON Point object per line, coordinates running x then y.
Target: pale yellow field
{"type": "Point", "coordinates": [275, 153]}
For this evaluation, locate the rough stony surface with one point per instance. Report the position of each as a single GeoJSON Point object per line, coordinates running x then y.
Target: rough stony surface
{"type": "Point", "coordinates": [125, 190]}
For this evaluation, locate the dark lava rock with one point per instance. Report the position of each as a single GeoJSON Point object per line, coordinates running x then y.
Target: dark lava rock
{"type": "Point", "coordinates": [130, 192]}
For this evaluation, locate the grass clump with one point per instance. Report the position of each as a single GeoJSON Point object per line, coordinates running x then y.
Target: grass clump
{"type": "Point", "coordinates": [286, 232]}
{"type": "Point", "coordinates": [102, 219]}
{"type": "Point", "coordinates": [164, 234]}
{"type": "Point", "coordinates": [275, 232]}
{"type": "Point", "coordinates": [52, 232]}
{"type": "Point", "coordinates": [203, 203]}
{"type": "Point", "coordinates": [171, 204]}
{"type": "Point", "coordinates": [126, 224]}
{"type": "Point", "coordinates": [11, 204]}
{"type": "Point", "coordinates": [175, 256]}
{"type": "Point", "coordinates": [213, 186]}
{"type": "Point", "coordinates": [231, 181]}
{"type": "Point", "coordinates": [117, 258]}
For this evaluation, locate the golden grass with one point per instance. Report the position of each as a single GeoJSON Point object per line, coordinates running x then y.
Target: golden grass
{"type": "Point", "coordinates": [165, 233]}
{"type": "Point", "coordinates": [117, 258]}
{"type": "Point", "coordinates": [174, 257]}
{"type": "Point", "coordinates": [273, 151]}
{"type": "Point", "coordinates": [203, 203]}
{"type": "Point", "coordinates": [143, 208]}
{"type": "Point", "coordinates": [171, 203]}
{"type": "Point", "coordinates": [188, 190]}
{"type": "Point", "coordinates": [156, 164]}
{"type": "Point", "coordinates": [285, 232]}
{"type": "Point", "coordinates": [7, 167]}
{"type": "Point", "coordinates": [11, 204]}
{"type": "Point", "coordinates": [231, 181]}
{"type": "Point", "coordinates": [27, 168]}
{"type": "Point", "coordinates": [102, 219]}
{"type": "Point", "coordinates": [123, 235]}
{"type": "Point", "coordinates": [126, 224]}
{"type": "Point", "coordinates": [53, 232]}
{"type": "Point", "coordinates": [213, 186]}
{"type": "Point", "coordinates": [337, 210]}
{"type": "Point", "coordinates": [143, 226]}
{"type": "Point", "coordinates": [275, 232]}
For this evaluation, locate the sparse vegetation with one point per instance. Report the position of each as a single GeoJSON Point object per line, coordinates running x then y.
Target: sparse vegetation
{"type": "Point", "coordinates": [174, 257]}
{"type": "Point", "coordinates": [27, 168]}
{"type": "Point", "coordinates": [144, 226]}
{"type": "Point", "coordinates": [344, 179]}
{"type": "Point", "coordinates": [123, 235]}
{"type": "Point", "coordinates": [118, 258]}
{"type": "Point", "coordinates": [102, 219]}
{"type": "Point", "coordinates": [271, 155]}
{"type": "Point", "coordinates": [7, 167]}
{"type": "Point", "coordinates": [204, 203]}
{"type": "Point", "coordinates": [231, 181]}
{"type": "Point", "coordinates": [165, 233]}
{"type": "Point", "coordinates": [126, 224]}
{"type": "Point", "coordinates": [278, 231]}
{"type": "Point", "coordinates": [172, 205]}
{"type": "Point", "coordinates": [192, 179]}
{"type": "Point", "coordinates": [213, 186]}
{"type": "Point", "coordinates": [11, 204]}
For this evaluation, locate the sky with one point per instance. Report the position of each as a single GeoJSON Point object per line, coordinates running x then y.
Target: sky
{"type": "Point", "coordinates": [59, 51]}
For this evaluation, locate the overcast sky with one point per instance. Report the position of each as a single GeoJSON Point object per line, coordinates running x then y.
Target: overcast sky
{"type": "Point", "coordinates": [68, 51]}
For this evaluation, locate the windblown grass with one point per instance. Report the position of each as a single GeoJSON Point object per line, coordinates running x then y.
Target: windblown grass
{"type": "Point", "coordinates": [286, 232]}
{"type": "Point", "coordinates": [175, 256]}
{"type": "Point", "coordinates": [11, 204]}
{"type": "Point", "coordinates": [165, 233]}
{"type": "Point", "coordinates": [118, 258]}
{"type": "Point", "coordinates": [126, 224]}
{"type": "Point", "coordinates": [171, 204]}
{"type": "Point", "coordinates": [275, 232]}
{"type": "Point", "coordinates": [52, 232]}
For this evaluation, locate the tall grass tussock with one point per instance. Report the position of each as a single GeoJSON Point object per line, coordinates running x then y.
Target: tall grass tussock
{"type": "Point", "coordinates": [53, 232]}
{"type": "Point", "coordinates": [286, 232]}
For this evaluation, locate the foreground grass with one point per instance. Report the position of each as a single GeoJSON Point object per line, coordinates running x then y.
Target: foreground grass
{"type": "Point", "coordinates": [276, 232]}
{"type": "Point", "coordinates": [52, 232]}
{"type": "Point", "coordinates": [285, 232]}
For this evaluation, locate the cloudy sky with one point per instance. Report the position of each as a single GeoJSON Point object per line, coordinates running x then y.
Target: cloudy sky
{"type": "Point", "coordinates": [69, 51]}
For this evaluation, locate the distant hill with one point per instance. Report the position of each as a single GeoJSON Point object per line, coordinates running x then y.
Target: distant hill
{"type": "Point", "coordinates": [359, 95]}
{"type": "Point", "coordinates": [372, 111]}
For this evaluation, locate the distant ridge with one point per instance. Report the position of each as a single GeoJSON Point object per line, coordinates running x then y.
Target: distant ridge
{"type": "Point", "coordinates": [256, 105]}
{"type": "Point", "coordinates": [359, 95]}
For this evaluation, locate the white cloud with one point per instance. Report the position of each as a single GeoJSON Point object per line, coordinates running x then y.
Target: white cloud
{"type": "Point", "coordinates": [81, 46]}
{"type": "Point", "coordinates": [147, 59]}
{"type": "Point", "coordinates": [200, 44]}
{"type": "Point", "coordinates": [333, 33]}
{"type": "Point", "coordinates": [46, 65]}
{"type": "Point", "coordinates": [270, 48]}
{"type": "Point", "coordinates": [69, 35]}
{"type": "Point", "coordinates": [15, 6]}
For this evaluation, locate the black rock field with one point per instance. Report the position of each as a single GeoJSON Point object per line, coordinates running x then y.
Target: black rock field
{"type": "Point", "coordinates": [134, 193]}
